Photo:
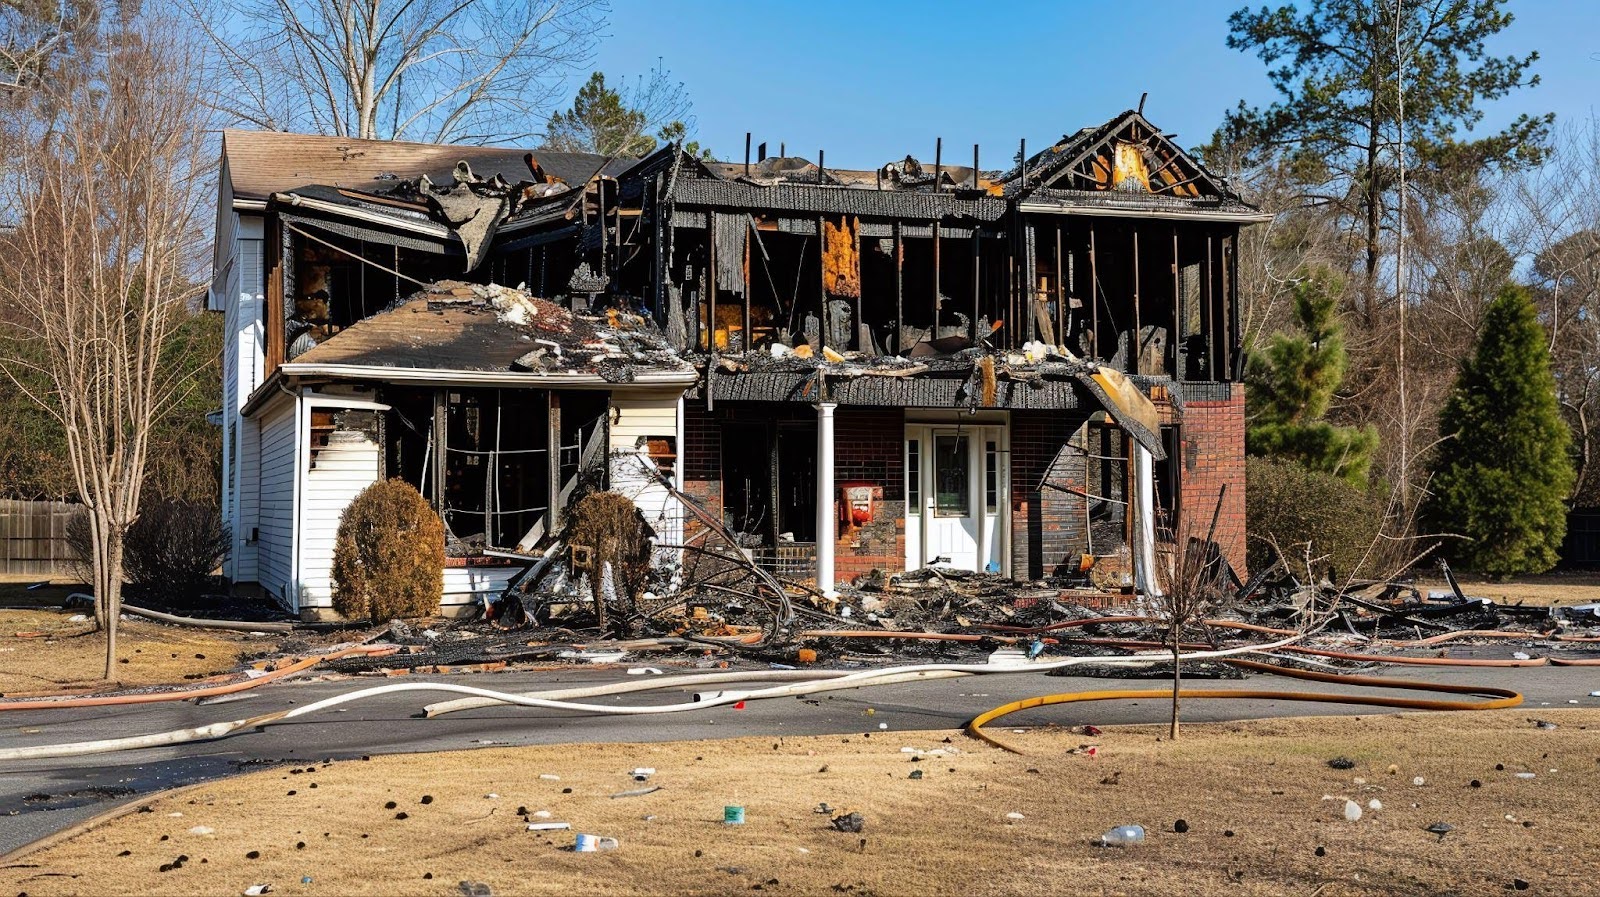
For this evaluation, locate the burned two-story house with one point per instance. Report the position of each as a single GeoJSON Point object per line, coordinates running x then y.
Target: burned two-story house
{"type": "Point", "coordinates": [1031, 372]}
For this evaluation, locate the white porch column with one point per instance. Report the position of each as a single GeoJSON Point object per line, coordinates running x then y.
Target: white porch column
{"type": "Point", "coordinates": [1144, 525]}
{"type": "Point", "coordinates": [826, 515]}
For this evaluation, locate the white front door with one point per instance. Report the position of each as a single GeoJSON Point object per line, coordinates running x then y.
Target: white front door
{"type": "Point", "coordinates": [956, 478]}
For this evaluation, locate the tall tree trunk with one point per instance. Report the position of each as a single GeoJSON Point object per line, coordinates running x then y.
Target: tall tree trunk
{"type": "Point", "coordinates": [108, 588]}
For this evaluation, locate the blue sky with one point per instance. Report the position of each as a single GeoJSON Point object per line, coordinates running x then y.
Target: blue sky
{"type": "Point", "coordinates": [872, 81]}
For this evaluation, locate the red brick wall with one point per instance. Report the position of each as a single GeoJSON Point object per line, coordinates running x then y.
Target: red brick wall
{"type": "Point", "coordinates": [1213, 454]}
{"type": "Point", "coordinates": [869, 447]}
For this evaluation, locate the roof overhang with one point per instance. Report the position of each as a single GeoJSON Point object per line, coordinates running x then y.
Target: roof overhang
{"type": "Point", "coordinates": [274, 384]}
{"type": "Point", "coordinates": [428, 228]}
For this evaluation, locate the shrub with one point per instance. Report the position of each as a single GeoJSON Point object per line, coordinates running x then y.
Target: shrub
{"type": "Point", "coordinates": [171, 551]}
{"type": "Point", "coordinates": [174, 548]}
{"type": "Point", "coordinates": [612, 526]}
{"type": "Point", "coordinates": [388, 556]}
{"type": "Point", "coordinates": [1293, 505]}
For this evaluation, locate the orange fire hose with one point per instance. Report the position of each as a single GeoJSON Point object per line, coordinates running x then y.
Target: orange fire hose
{"type": "Point", "coordinates": [1496, 698]}
{"type": "Point", "coordinates": [161, 696]}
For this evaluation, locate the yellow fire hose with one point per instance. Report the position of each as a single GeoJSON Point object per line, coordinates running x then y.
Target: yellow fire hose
{"type": "Point", "coordinates": [1496, 698]}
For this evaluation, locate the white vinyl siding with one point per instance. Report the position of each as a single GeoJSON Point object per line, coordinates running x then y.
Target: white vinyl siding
{"type": "Point", "coordinates": [277, 485]}
{"type": "Point", "coordinates": [470, 585]}
{"type": "Point", "coordinates": [349, 463]}
{"type": "Point", "coordinates": [639, 415]}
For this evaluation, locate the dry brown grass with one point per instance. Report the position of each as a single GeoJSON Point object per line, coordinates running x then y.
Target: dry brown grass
{"type": "Point", "coordinates": [70, 655]}
{"type": "Point", "coordinates": [944, 834]}
{"type": "Point", "coordinates": [1562, 588]}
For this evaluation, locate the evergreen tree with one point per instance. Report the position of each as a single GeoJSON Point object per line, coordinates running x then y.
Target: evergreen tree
{"type": "Point", "coordinates": [1292, 383]}
{"type": "Point", "coordinates": [1504, 468]}
{"type": "Point", "coordinates": [1338, 67]}
{"type": "Point", "coordinates": [600, 121]}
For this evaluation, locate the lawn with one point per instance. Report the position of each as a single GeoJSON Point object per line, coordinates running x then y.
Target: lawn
{"type": "Point", "coordinates": [1263, 810]}
{"type": "Point", "coordinates": [44, 651]}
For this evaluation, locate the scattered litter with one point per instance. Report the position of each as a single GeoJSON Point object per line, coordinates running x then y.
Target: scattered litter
{"type": "Point", "coordinates": [1181, 826]}
{"type": "Point", "coordinates": [1419, 781]}
{"type": "Point", "coordinates": [593, 656]}
{"type": "Point", "coordinates": [1374, 804]}
{"type": "Point", "coordinates": [1015, 815]}
{"type": "Point", "coordinates": [1123, 836]}
{"type": "Point", "coordinates": [642, 671]}
{"type": "Point", "coordinates": [642, 773]}
{"type": "Point", "coordinates": [637, 792]}
{"type": "Point", "coordinates": [1543, 724]}
{"type": "Point", "coordinates": [851, 822]}
{"type": "Point", "coordinates": [1341, 763]}
{"type": "Point", "coordinates": [1352, 811]}
{"type": "Point", "coordinates": [823, 808]}
{"type": "Point", "coordinates": [202, 830]}
{"type": "Point", "coordinates": [549, 777]}
{"type": "Point", "coordinates": [548, 826]}
{"type": "Point", "coordinates": [1526, 775]}
{"type": "Point", "coordinates": [1522, 655]}
{"type": "Point", "coordinates": [78, 618]}
{"type": "Point", "coordinates": [257, 890]}
{"type": "Point", "coordinates": [491, 796]}
{"type": "Point", "coordinates": [1441, 829]}
{"type": "Point", "coordinates": [733, 815]}
{"type": "Point", "coordinates": [593, 843]}
{"type": "Point", "coordinates": [475, 889]}
{"type": "Point", "coordinates": [541, 814]}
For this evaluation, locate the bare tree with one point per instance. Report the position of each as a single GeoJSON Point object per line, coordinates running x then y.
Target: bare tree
{"type": "Point", "coordinates": [476, 71]}
{"type": "Point", "coordinates": [1194, 584]}
{"type": "Point", "coordinates": [1559, 208]}
{"type": "Point", "coordinates": [100, 257]}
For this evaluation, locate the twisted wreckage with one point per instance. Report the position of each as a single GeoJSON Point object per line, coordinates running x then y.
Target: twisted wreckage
{"type": "Point", "coordinates": [823, 374]}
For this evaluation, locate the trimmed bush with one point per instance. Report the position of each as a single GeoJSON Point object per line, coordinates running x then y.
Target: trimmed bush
{"type": "Point", "coordinates": [388, 557]}
{"type": "Point", "coordinates": [1293, 505]}
{"type": "Point", "coordinates": [173, 550]}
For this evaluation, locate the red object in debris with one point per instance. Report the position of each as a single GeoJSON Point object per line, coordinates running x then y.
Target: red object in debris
{"type": "Point", "coordinates": [739, 705]}
{"type": "Point", "coordinates": [1093, 752]}
{"type": "Point", "coordinates": [1091, 730]}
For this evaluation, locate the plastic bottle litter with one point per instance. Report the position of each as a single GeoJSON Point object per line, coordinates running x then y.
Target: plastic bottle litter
{"type": "Point", "coordinates": [1015, 815]}
{"type": "Point", "coordinates": [1527, 775]}
{"type": "Point", "coordinates": [1123, 836]}
{"type": "Point", "coordinates": [1352, 811]}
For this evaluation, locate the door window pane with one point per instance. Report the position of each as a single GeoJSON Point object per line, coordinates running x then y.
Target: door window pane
{"type": "Point", "coordinates": [952, 497]}
{"type": "Point", "coordinates": [913, 477]}
{"type": "Point", "coordinates": [991, 477]}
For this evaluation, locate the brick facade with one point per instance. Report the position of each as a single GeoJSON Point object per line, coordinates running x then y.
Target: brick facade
{"type": "Point", "coordinates": [1213, 454]}
{"type": "Point", "coordinates": [1047, 525]}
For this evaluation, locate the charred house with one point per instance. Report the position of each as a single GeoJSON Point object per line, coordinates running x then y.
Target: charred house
{"type": "Point", "coordinates": [1032, 372]}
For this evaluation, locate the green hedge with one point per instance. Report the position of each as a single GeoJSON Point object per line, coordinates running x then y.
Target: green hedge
{"type": "Point", "coordinates": [1293, 505]}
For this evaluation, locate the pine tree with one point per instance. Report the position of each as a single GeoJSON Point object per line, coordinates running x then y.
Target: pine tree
{"type": "Point", "coordinates": [1504, 469]}
{"type": "Point", "coordinates": [600, 121]}
{"type": "Point", "coordinates": [1292, 383]}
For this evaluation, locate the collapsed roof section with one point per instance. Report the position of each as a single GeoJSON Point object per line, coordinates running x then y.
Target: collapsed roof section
{"type": "Point", "coordinates": [453, 327]}
{"type": "Point", "coordinates": [1125, 164]}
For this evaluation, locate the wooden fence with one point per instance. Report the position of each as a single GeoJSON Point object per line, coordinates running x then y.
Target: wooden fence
{"type": "Point", "coordinates": [33, 537]}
